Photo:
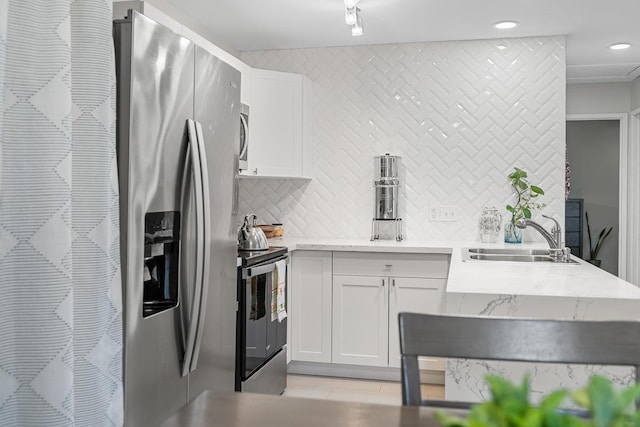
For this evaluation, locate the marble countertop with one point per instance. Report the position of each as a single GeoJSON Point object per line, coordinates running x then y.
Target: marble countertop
{"type": "Point", "coordinates": [362, 245]}
{"type": "Point", "coordinates": [581, 280]}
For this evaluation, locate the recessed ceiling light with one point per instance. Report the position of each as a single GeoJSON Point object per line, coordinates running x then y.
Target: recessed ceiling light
{"type": "Point", "coordinates": [505, 25]}
{"type": "Point", "coordinates": [620, 46]}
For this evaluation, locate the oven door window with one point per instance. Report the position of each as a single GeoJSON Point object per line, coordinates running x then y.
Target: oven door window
{"type": "Point", "coordinates": [261, 331]}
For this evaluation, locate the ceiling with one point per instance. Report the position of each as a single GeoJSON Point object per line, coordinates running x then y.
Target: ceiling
{"type": "Point", "coordinates": [590, 26]}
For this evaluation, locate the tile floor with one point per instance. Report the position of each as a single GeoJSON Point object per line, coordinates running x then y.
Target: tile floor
{"type": "Point", "coordinates": [353, 390]}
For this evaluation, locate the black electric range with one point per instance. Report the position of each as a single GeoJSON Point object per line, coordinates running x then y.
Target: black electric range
{"type": "Point", "coordinates": [261, 338]}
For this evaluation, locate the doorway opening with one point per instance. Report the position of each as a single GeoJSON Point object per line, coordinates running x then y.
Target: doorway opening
{"type": "Point", "coordinates": [633, 230]}
{"type": "Point", "coordinates": [597, 153]}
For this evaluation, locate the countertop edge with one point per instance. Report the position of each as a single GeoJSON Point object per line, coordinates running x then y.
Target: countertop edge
{"type": "Point", "coordinates": [496, 278]}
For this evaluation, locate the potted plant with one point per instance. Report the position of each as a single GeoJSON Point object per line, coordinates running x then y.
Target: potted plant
{"type": "Point", "coordinates": [509, 406]}
{"type": "Point", "coordinates": [526, 195]}
{"type": "Point", "coordinates": [595, 249]}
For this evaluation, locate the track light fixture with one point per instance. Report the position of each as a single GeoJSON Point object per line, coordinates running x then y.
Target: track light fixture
{"type": "Point", "coordinates": [356, 28]}
{"type": "Point", "coordinates": [352, 17]}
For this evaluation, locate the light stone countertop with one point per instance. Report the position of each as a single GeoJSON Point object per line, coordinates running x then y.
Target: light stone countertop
{"type": "Point", "coordinates": [581, 280]}
{"type": "Point", "coordinates": [511, 289]}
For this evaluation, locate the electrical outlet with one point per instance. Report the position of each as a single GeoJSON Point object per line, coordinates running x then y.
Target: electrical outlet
{"type": "Point", "coordinates": [443, 213]}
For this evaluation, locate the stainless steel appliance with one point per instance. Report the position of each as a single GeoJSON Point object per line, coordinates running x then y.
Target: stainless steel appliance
{"type": "Point", "coordinates": [243, 157]}
{"type": "Point", "coordinates": [261, 364]}
{"type": "Point", "coordinates": [386, 186]}
{"type": "Point", "coordinates": [177, 142]}
{"type": "Point", "coordinates": [250, 237]}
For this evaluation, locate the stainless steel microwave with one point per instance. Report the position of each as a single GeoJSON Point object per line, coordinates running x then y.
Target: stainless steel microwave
{"type": "Point", "coordinates": [243, 163]}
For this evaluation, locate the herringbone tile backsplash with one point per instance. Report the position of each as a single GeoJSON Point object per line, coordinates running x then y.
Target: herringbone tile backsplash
{"type": "Point", "coordinates": [461, 114]}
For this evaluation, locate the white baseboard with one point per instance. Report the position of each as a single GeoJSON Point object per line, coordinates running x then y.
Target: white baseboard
{"type": "Point", "coordinates": [357, 371]}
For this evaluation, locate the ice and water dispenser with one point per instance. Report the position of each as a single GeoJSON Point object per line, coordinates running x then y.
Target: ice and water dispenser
{"type": "Point", "coordinates": [161, 261]}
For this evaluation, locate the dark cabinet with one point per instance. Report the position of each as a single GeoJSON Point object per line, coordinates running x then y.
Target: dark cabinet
{"type": "Point", "coordinates": [573, 225]}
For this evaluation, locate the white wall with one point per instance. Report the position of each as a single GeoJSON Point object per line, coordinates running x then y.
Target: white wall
{"type": "Point", "coordinates": [461, 115]}
{"type": "Point", "coordinates": [598, 98]}
{"type": "Point", "coordinates": [635, 94]}
{"type": "Point", "coordinates": [633, 254]}
{"type": "Point", "coordinates": [593, 148]}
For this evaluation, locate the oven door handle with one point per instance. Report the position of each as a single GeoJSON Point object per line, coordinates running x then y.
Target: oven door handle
{"type": "Point", "coordinates": [263, 269]}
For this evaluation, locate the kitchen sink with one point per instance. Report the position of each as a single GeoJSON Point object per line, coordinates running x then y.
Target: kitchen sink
{"type": "Point", "coordinates": [518, 258]}
{"type": "Point", "coordinates": [514, 252]}
{"type": "Point", "coordinates": [511, 255]}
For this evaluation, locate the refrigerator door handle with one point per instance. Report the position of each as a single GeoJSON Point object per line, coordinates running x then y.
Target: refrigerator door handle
{"type": "Point", "coordinates": [206, 256]}
{"type": "Point", "coordinates": [196, 169]}
{"type": "Point", "coordinates": [182, 306]}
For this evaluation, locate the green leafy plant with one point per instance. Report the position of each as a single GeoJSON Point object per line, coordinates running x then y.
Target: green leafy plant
{"type": "Point", "coordinates": [595, 249]}
{"type": "Point", "coordinates": [509, 406]}
{"type": "Point", "coordinates": [526, 195]}
{"type": "Point", "coordinates": [606, 406]}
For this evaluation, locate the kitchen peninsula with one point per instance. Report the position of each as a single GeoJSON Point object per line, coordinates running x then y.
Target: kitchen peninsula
{"type": "Point", "coordinates": [508, 289]}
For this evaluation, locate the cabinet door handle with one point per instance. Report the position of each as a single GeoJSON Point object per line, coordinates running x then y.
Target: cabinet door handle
{"type": "Point", "coordinates": [393, 282]}
{"type": "Point", "coordinates": [383, 283]}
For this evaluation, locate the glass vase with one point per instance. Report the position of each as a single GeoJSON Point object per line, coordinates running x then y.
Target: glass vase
{"type": "Point", "coordinates": [490, 221]}
{"type": "Point", "coordinates": [512, 234]}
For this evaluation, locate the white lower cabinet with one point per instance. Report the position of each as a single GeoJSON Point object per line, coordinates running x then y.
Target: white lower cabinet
{"type": "Point", "coordinates": [360, 324]}
{"type": "Point", "coordinates": [310, 312]}
{"type": "Point", "coordinates": [345, 305]}
{"type": "Point", "coordinates": [415, 295]}
{"type": "Point", "coordinates": [365, 307]}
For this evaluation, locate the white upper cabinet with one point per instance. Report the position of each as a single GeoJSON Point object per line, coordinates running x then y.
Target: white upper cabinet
{"type": "Point", "coordinates": [279, 124]}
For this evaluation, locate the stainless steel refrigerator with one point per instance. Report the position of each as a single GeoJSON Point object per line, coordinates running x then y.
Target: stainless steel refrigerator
{"type": "Point", "coordinates": [177, 138]}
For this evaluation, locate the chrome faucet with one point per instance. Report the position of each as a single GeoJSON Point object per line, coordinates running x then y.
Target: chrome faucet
{"type": "Point", "coordinates": [554, 238]}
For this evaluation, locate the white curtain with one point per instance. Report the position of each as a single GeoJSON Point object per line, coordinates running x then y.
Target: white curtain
{"type": "Point", "coordinates": [60, 290]}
